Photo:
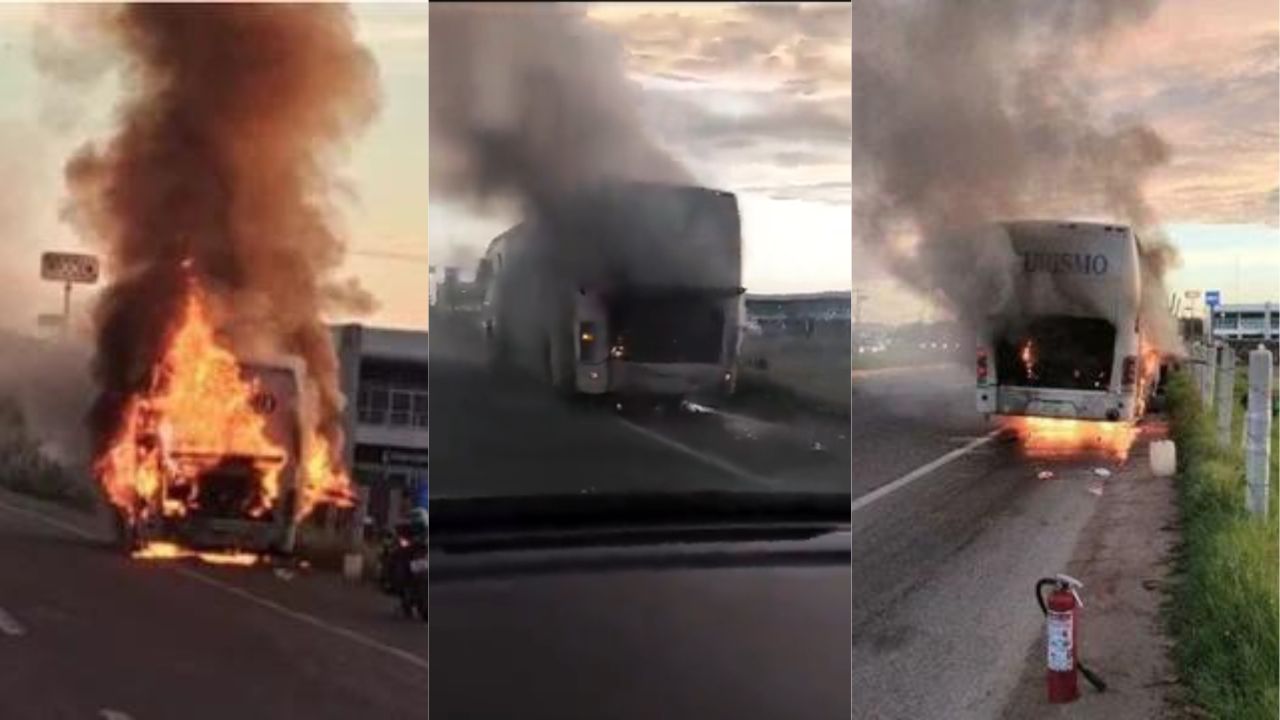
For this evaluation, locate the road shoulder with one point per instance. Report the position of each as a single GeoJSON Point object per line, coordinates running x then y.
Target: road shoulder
{"type": "Point", "coordinates": [1124, 558]}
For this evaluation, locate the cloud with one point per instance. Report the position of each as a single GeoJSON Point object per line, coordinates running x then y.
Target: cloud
{"type": "Point", "coordinates": [1207, 77]}
{"type": "Point", "coordinates": [754, 95]}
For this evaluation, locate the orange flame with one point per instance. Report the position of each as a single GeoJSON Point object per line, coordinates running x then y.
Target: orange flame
{"type": "Point", "coordinates": [1028, 357]}
{"type": "Point", "coordinates": [197, 414]}
{"type": "Point", "coordinates": [1043, 437]}
{"type": "Point", "coordinates": [1148, 371]}
{"type": "Point", "coordinates": [197, 411]}
{"type": "Point", "coordinates": [323, 480]}
{"type": "Point", "coordinates": [173, 551]}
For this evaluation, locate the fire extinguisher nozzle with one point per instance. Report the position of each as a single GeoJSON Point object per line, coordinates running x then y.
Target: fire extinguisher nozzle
{"type": "Point", "coordinates": [1092, 677]}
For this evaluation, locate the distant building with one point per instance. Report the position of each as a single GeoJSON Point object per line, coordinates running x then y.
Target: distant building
{"type": "Point", "coordinates": [1247, 323]}
{"type": "Point", "coordinates": [800, 312]}
{"type": "Point", "coordinates": [384, 377]}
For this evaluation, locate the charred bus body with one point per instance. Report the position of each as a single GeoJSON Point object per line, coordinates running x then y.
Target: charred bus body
{"type": "Point", "coordinates": [629, 289]}
{"type": "Point", "coordinates": [1066, 341]}
{"type": "Point", "coordinates": [218, 494]}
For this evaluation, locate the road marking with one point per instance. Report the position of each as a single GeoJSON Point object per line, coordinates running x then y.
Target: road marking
{"type": "Point", "coordinates": [923, 470]}
{"type": "Point", "coordinates": [900, 370]}
{"type": "Point", "coordinates": [109, 714]}
{"type": "Point", "coordinates": [302, 617]}
{"type": "Point", "coordinates": [10, 626]}
{"type": "Point", "coordinates": [705, 458]}
{"type": "Point", "coordinates": [81, 532]}
{"type": "Point", "coordinates": [307, 618]}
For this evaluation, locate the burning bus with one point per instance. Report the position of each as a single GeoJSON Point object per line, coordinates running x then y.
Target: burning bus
{"type": "Point", "coordinates": [623, 289]}
{"type": "Point", "coordinates": [1067, 342]}
{"type": "Point", "coordinates": [216, 453]}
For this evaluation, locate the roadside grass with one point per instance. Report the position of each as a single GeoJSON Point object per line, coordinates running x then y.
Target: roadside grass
{"type": "Point", "coordinates": [25, 469]}
{"type": "Point", "coordinates": [1225, 611]}
{"type": "Point", "coordinates": [795, 373]}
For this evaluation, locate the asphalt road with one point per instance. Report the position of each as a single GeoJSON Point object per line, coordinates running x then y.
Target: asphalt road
{"type": "Point", "coordinates": [87, 633]}
{"type": "Point", "coordinates": [509, 435]}
{"type": "Point", "coordinates": [951, 527]}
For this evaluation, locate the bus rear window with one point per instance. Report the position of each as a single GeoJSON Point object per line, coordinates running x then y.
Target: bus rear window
{"type": "Point", "coordinates": [1057, 352]}
{"type": "Point", "coordinates": [684, 328]}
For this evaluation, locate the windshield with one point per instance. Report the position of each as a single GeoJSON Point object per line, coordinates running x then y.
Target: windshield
{"type": "Point", "coordinates": [1057, 352]}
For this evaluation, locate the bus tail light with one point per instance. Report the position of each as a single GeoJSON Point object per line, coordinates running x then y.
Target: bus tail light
{"type": "Point", "coordinates": [1129, 376]}
{"type": "Point", "coordinates": [586, 340]}
{"type": "Point", "coordinates": [983, 370]}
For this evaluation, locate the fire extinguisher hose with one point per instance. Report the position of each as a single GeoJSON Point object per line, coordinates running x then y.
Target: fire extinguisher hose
{"type": "Point", "coordinates": [1089, 675]}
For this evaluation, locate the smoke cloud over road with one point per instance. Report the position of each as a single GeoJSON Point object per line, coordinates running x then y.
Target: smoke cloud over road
{"type": "Point", "coordinates": [220, 170]}
{"type": "Point", "coordinates": [532, 102]}
{"type": "Point", "coordinates": [531, 106]}
{"type": "Point", "coordinates": [967, 113]}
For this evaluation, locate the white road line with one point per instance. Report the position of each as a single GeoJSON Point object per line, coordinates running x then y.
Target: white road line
{"type": "Point", "coordinates": [705, 458]}
{"type": "Point", "coordinates": [902, 370]}
{"type": "Point", "coordinates": [302, 617]}
{"type": "Point", "coordinates": [307, 619]}
{"type": "Point", "coordinates": [10, 626]}
{"type": "Point", "coordinates": [78, 531]}
{"type": "Point", "coordinates": [923, 470]}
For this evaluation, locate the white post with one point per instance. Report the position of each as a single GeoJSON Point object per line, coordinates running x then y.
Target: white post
{"type": "Point", "coordinates": [1225, 390]}
{"type": "Point", "coordinates": [1192, 364]}
{"type": "Point", "coordinates": [1257, 450]}
{"type": "Point", "coordinates": [1210, 355]}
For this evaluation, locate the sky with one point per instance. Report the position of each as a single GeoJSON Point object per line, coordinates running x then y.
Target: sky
{"type": "Point", "coordinates": [754, 99]}
{"type": "Point", "coordinates": [383, 177]}
{"type": "Point", "coordinates": [751, 99]}
{"type": "Point", "coordinates": [1206, 76]}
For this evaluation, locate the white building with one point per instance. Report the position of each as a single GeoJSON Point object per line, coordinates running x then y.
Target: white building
{"type": "Point", "coordinates": [384, 377]}
{"type": "Point", "coordinates": [1254, 322]}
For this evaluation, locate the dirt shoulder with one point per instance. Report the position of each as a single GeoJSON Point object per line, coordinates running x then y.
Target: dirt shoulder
{"type": "Point", "coordinates": [1125, 559]}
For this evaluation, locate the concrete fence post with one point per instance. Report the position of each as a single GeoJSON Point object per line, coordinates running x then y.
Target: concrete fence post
{"type": "Point", "coordinates": [1257, 448]}
{"type": "Point", "coordinates": [1224, 392]}
{"type": "Point", "coordinates": [1197, 367]}
{"type": "Point", "coordinates": [1210, 355]}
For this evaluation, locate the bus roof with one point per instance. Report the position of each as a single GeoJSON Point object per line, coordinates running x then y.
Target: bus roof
{"type": "Point", "coordinates": [1044, 226]}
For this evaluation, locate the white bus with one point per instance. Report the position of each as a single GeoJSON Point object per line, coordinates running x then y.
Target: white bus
{"type": "Point", "coordinates": [631, 289]}
{"type": "Point", "coordinates": [1066, 340]}
{"type": "Point", "coordinates": [216, 488]}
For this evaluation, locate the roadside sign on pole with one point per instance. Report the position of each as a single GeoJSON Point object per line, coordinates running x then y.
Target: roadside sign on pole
{"type": "Point", "coordinates": [69, 267]}
{"type": "Point", "coordinates": [1212, 298]}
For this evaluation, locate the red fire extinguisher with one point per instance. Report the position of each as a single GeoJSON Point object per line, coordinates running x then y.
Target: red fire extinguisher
{"type": "Point", "coordinates": [1061, 627]}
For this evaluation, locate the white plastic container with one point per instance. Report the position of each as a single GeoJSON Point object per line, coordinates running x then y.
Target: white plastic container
{"type": "Point", "coordinates": [1164, 458]}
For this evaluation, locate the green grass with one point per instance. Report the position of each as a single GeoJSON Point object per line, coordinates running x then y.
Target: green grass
{"type": "Point", "coordinates": [1225, 612]}
{"type": "Point", "coordinates": [25, 469]}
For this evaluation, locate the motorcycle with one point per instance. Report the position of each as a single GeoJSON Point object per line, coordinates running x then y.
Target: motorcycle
{"type": "Point", "coordinates": [404, 565]}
